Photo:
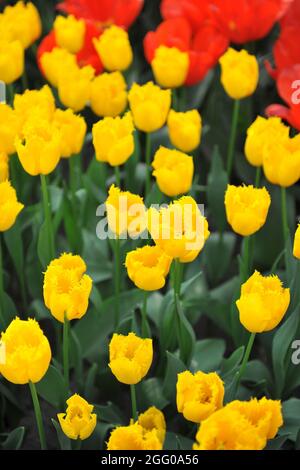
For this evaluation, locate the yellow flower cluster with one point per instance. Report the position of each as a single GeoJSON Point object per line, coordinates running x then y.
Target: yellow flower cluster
{"type": "Point", "coordinates": [240, 426]}
{"type": "Point", "coordinates": [20, 26]}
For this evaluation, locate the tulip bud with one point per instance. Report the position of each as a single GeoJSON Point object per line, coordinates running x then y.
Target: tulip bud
{"type": "Point", "coordinates": [239, 73]}
{"type": "Point", "coordinates": [113, 139]}
{"type": "Point", "coordinates": [69, 33]}
{"type": "Point", "coordinates": [153, 420]}
{"type": "Point", "coordinates": [78, 422]}
{"type": "Point", "coordinates": [170, 66]}
{"type": "Point", "coordinates": [281, 161]}
{"type": "Point", "coordinates": [185, 129]}
{"type": "Point", "coordinates": [133, 437]}
{"type": "Point", "coordinates": [108, 94]}
{"type": "Point", "coordinates": [73, 130]}
{"type": "Point", "coordinates": [74, 88]}
{"type": "Point", "coordinates": [149, 106]}
{"type": "Point", "coordinates": [114, 49]}
{"type": "Point", "coordinates": [173, 171]}
{"type": "Point", "coordinates": [263, 303]}
{"type": "Point", "coordinates": [24, 22]}
{"type": "Point", "coordinates": [57, 63]}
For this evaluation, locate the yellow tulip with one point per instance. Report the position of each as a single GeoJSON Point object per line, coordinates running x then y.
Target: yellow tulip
{"type": "Point", "coordinates": [69, 33]}
{"type": "Point", "coordinates": [179, 229]}
{"type": "Point", "coordinates": [185, 129]}
{"type": "Point", "coordinates": [4, 168]}
{"type": "Point", "coordinates": [148, 267]}
{"type": "Point", "coordinates": [227, 429]}
{"type": "Point", "coordinates": [67, 288]}
{"type": "Point", "coordinates": [9, 206]}
{"type": "Point", "coordinates": [125, 212]}
{"type": "Point", "coordinates": [27, 352]}
{"type": "Point", "coordinates": [263, 303]}
{"type": "Point", "coordinates": [153, 419]}
{"type": "Point", "coordinates": [130, 357]}
{"type": "Point", "coordinates": [296, 248]}
{"type": "Point", "coordinates": [108, 94]}
{"type": "Point", "coordinates": [199, 395]}
{"type": "Point", "coordinates": [281, 161]}
{"type": "Point", "coordinates": [79, 421]}
{"type": "Point", "coordinates": [133, 437]}
{"type": "Point", "coordinates": [39, 103]}
{"type": "Point", "coordinates": [114, 49]}
{"type": "Point", "coordinates": [12, 61]}
{"type": "Point", "coordinates": [39, 150]}
{"type": "Point", "coordinates": [9, 129]}
{"type": "Point", "coordinates": [74, 87]}
{"type": "Point", "coordinates": [73, 129]}
{"type": "Point", "coordinates": [239, 73]}
{"type": "Point", "coordinates": [149, 105]}
{"type": "Point", "coordinates": [173, 171]}
{"type": "Point", "coordinates": [113, 139]}
{"type": "Point", "coordinates": [57, 63]}
{"type": "Point", "coordinates": [246, 208]}
{"type": "Point", "coordinates": [170, 66]}
{"type": "Point", "coordinates": [265, 415]}
{"type": "Point", "coordinates": [24, 22]}
{"type": "Point", "coordinates": [260, 134]}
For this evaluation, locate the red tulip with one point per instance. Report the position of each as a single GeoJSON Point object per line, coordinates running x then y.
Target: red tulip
{"type": "Point", "coordinates": [240, 22]}
{"type": "Point", "coordinates": [87, 56]}
{"type": "Point", "coordinates": [204, 47]}
{"type": "Point", "coordinates": [104, 12]}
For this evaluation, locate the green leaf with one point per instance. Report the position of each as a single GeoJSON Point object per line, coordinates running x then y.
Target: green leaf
{"type": "Point", "coordinates": [64, 441]}
{"type": "Point", "coordinates": [52, 388]}
{"type": "Point", "coordinates": [281, 349]}
{"type": "Point", "coordinates": [230, 365]}
{"type": "Point", "coordinates": [208, 355]}
{"type": "Point", "coordinates": [291, 418]}
{"type": "Point", "coordinates": [4, 390]}
{"type": "Point", "coordinates": [14, 243]}
{"type": "Point", "coordinates": [152, 393]}
{"type": "Point", "coordinates": [218, 254]}
{"type": "Point", "coordinates": [173, 441]}
{"type": "Point", "coordinates": [14, 440]}
{"type": "Point", "coordinates": [71, 226]}
{"type": "Point", "coordinates": [43, 248]}
{"type": "Point", "coordinates": [216, 187]}
{"type": "Point", "coordinates": [277, 443]}
{"type": "Point", "coordinates": [111, 414]}
{"type": "Point", "coordinates": [174, 367]}
{"type": "Point", "coordinates": [188, 337]}
{"type": "Point", "coordinates": [90, 381]}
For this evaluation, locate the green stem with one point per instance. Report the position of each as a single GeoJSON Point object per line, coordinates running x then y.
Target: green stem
{"type": "Point", "coordinates": [24, 80]}
{"type": "Point", "coordinates": [183, 92]}
{"type": "Point", "coordinates": [72, 180]}
{"type": "Point", "coordinates": [133, 403]}
{"type": "Point", "coordinates": [148, 163]}
{"type": "Point", "coordinates": [9, 90]}
{"type": "Point", "coordinates": [257, 176]}
{"type": "Point", "coordinates": [145, 324]}
{"type": "Point", "coordinates": [118, 176]}
{"type": "Point", "coordinates": [66, 330]}
{"type": "Point", "coordinates": [47, 214]}
{"type": "Point", "coordinates": [246, 357]}
{"type": "Point", "coordinates": [2, 322]}
{"type": "Point", "coordinates": [285, 224]}
{"type": "Point", "coordinates": [177, 289]}
{"type": "Point", "coordinates": [117, 276]}
{"type": "Point", "coordinates": [232, 139]}
{"type": "Point", "coordinates": [175, 100]}
{"type": "Point", "coordinates": [246, 259]}
{"type": "Point", "coordinates": [38, 415]}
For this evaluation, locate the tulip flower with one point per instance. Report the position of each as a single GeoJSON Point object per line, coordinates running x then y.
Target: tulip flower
{"type": "Point", "coordinates": [79, 421]}
{"type": "Point", "coordinates": [113, 139]}
{"type": "Point", "coordinates": [130, 360]}
{"type": "Point", "coordinates": [199, 395]}
{"type": "Point", "coordinates": [173, 171]}
{"type": "Point", "coordinates": [153, 419]}
{"type": "Point", "coordinates": [133, 437]}
{"type": "Point", "coordinates": [24, 22]}
{"type": "Point", "coordinates": [185, 129]}
{"type": "Point", "coordinates": [170, 66]}
{"type": "Point", "coordinates": [114, 49]}
{"type": "Point", "coordinates": [74, 87]}
{"type": "Point", "coordinates": [37, 103]}
{"type": "Point", "coordinates": [227, 429]}
{"type": "Point", "coordinates": [27, 359]}
{"type": "Point", "coordinates": [66, 294]}
{"type": "Point", "coordinates": [69, 33]}
{"type": "Point", "coordinates": [108, 94]}
{"type": "Point", "coordinates": [73, 130]}
{"type": "Point", "coordinates": [265, 415]}
{"type": "Point", "coordinates": [57, 63]}
{"type": "Point", "coordinates": [10, 207]}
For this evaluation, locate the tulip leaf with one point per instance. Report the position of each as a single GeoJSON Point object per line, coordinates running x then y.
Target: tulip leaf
{"type": "Point", "coordinates": [52, 388]}
{"type": "Point", "coordinates": [64, 441]}
{"type": "Point", "coordinates": [281, 349]}
{"type": "Point", "coordinates": [187, 333]}
{"type": "Point", "coordinates": [110, 413]}
{"type": "Point", "coordinates": [152, 394]}
{"type": "Point", "coordinates": [90, 381]}
{"type": "Point", "coordinates": [218, 254]}
{"type": "Point", "coordinates": [174, 367]}
{"type": "Point", "coordinates": [14, 439]}
{"type": "Point", "coordinates": [229, 366]}
{"type": "Point", "coordinates": [43, 248]}
{"type": "Point", "coordinates": [291, 418]}
{"type": "Point", "coordinates": [177, 442]}
{"type": "Point", "coordinates": [14, 243]}
{"type": "Point", "coordinates": [208, 355]}
{"type": "Point", "coordinates": [277, 443]}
